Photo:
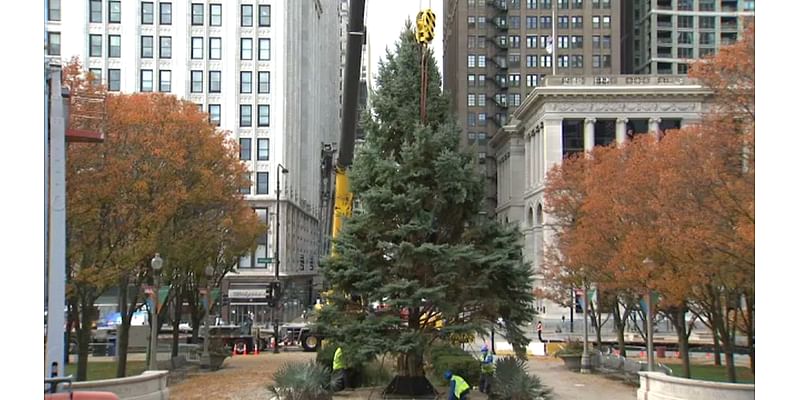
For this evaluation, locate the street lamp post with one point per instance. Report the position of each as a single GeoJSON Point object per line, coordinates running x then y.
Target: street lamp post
{"type": "Point", "coordinates": [649, 265]}
{"type": "Point", "coordinates": [275, 301]}
{"type": "Point", "coordinates": [156, 263]}
{"type": "Point", "coordinates": [586, 362]}
{"type": "Point", "coordinates": [206, 358]}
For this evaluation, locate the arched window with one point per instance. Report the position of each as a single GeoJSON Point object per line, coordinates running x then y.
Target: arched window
{"type": "Point", "coordinates": [529, 218]}
{"type": "Point", "coordinates": [539, 214]}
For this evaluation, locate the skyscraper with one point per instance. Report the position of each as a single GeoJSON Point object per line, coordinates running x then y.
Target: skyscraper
{"type": "Point", "coordinates": [264, 71]}
{"type": "Point", "coordinates": [497, 51]}
{"type": "Point", "coordinates": [662, 36]}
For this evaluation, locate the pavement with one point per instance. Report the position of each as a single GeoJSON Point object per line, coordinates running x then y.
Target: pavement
{"type": "Point", "coordinates": [568, 385]}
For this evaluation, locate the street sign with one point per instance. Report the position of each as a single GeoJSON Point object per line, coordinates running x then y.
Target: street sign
{"type": "Point", "coordinates": [267, 260]}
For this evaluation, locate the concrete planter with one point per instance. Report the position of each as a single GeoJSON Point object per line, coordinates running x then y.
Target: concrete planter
{"type": "Point", "coordinates": [571, 361]}
{"type": "Point", "coordinates": [150, 385]}
{"type": "Point", "coordinates": [659, 386]}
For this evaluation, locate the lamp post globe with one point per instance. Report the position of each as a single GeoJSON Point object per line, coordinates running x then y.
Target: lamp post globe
{"type": "Point", "coordinates": [157, 262]}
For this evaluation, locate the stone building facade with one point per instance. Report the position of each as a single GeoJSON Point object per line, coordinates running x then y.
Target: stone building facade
{"type": "Point", "coordinates": [570, 114]}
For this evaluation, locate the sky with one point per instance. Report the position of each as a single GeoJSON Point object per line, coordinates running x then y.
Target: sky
{"type": "Point", "coordinates": [386, 18]}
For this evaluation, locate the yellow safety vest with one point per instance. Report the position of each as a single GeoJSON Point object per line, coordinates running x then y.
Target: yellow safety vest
{"type": "Point", "coordinates": [338, 363]}
{"type": "Point", "coordinates": [461, 385]}
{"type": "Point", "coordinates": [487, 368]}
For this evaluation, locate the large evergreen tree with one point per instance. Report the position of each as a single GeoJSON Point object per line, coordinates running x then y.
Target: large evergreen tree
{"type": "Point", "coordinates": [419, 245]}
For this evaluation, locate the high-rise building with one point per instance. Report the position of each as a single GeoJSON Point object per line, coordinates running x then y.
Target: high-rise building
{"type": "Point", "coordinates": [497, 51]}
{"type": "Point", "coordinates": [264, 71]}
{"type": "Point", "coordinates": [662, 36]}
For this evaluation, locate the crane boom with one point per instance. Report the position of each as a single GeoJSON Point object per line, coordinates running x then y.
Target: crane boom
{"type": "Point", "coordinates": [343, 198]}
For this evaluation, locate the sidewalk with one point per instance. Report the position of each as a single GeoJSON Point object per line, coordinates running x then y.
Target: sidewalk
{"type": "Point", "coordinates": [569, 385]}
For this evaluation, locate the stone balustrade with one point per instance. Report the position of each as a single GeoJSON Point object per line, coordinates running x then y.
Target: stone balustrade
{"type": "Point", "coordinates": [659, 386]}
{"type": "Point", "coordinates": [150, 385]}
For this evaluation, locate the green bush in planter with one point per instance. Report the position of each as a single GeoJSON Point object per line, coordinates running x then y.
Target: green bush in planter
{"type": "Point", "coordinates": [511, 381]}
{"type": "Point", "coordinates": [302, 381]}
{"type": "Point", "coordinates": [570, 348]}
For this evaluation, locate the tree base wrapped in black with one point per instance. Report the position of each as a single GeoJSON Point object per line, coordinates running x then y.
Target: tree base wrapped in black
{"type": "Point", "coordinates": [402, 387]}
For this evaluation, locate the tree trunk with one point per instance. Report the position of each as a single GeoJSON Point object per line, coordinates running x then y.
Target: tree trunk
{"type": "Point", "coordinates": [176, 321]}
{"type": "Point", "coordinates": [729, 342]}
{"type": "Point", "coordinates": [619, 325]}
{"type": "Point", "coordinates": [750, 330]}
{"type": "Point", "coordinates": [84, 336]}
{"type": "Point", "coordinates": [597, 326]}
{"type": "Point", "coordinates": [123, 330]}
{"type": "Point", "coordinates": [679, 322]}
{"type": "Point", "coordinates": [410, 363]}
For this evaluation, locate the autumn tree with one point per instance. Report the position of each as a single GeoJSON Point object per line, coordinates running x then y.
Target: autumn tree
{"type": "Point", "coordinates": [161, 166]}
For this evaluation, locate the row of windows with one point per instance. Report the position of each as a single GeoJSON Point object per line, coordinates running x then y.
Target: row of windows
{"type": "Point", "coordinates": [262, 183]}
{"type": "Point", "coordinates": [246, 115]}
{"type": "Point", "coordinates": [512, 100]}
{"type": "Point", "coordinates": [542, 22]}
{"type": "Point", "coordinates": [543, 4]}
{"type": "Point", "coordinates": [165, 47]}
{"type": "Point", "coordinates": [215, 82]}
{"type": "Point", "coordinates": [245, 53]}
{"type": "Point", "coordinates": [147, 16]}
{"type": "Point", "coordinates": [534, 41]}
{"type": "Point", "coordinates": [246, 150]}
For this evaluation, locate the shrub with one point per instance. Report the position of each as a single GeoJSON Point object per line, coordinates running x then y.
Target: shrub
{"type": "Point", "coordinates": [325, 356]}
{"type": "Point", "coordinates": [511, 381]}
{"type": "Point", "coordinates": [444, 357]}
{"type": "Point", "coordinates": [375, 374]}
{"type": "Point", "coordinates": [302, 381]}
{"type": "Point", "coordinates": [570, 348]}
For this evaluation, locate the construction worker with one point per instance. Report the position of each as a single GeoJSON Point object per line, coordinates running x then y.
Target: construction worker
{"type": "Point", "coordinates": [340, 378]}
{"type": "Point", "coordinates": [458, 386]}
{"type": "Point", "coordinates": [487, 370]}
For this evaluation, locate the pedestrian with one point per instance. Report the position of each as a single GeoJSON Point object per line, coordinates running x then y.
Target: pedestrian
{"type": "Point", "coordinates": [539, 331]}
{"type": "Point", "coordinates": [340, 374]}
{"type": "Point", "coordinates": [563, 323]}
{"type": "Point", "coordinates": [458, 386]}
{"type": "Point", "coordinates": [487, 370]}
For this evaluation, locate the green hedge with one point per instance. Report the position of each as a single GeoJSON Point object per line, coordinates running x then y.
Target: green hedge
{"type": "Point", "coordinates": [446, 357]}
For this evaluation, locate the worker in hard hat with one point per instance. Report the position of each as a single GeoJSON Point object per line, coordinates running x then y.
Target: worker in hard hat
{"type": "Point", "coordinates": [458, 386]}
{"type": "Point", "coordinates": [487, 370]}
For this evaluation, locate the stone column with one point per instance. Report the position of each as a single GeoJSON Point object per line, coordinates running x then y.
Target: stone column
{"type": "Point", "coordinates": [528, 161]}
{"type": "Point", "coordinates": [534, 156]}
{"type": "Point", "coordinates": [620, 133]}
{"type": "Point", "coordinates": [653, 125]}
{"type": "Point", "coordinates": [588, 134]}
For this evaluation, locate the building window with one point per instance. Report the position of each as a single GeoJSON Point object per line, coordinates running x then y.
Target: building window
{"type": "Point", "coordinates": [114, 46]}
{"type": "Point", "coordinates": [685, 21]}
{"type": "Point", "coordinates": [248, 177]}
{"type": "Point", "coordinates": [513, 22]}
{"type": "Point", "coordinates": [607, 22]}
{"type": "Point", "coordinates": [95, 11]}
{"type": "Point", "coordinates": [563, 4]}
{"type": "Point", "coordinates": [577, 42]}
{"type": "Point", "coordinates": [214, 116]}
{"type": "Point", "coordinates": [563, 22]}
{"type": "Point", "coordinates": [546, 4]}
{"type": "Point", "coordinates": [215, 48]}
{"type": "Point", "coordinates": [147, 13]}
{"type": "Point", "coordinates": [707, 38]}
{"type": "Point", "coordinates": [531, 4]}
{"type": "Point", "coordinates": [197, 48]}
{"type": "Point", "coordinates": [246, 82]}
{"type": "Point", "coordinates": [263, 149]}
{"type": "Point", "coordinates": [577, 22]}
{"type": "Point", "coordinates": [197, 81]}
{"type": "Point", "coordinates": [481, 61]}
{"type": "Point", "coordinates": [245, 149]}
{"type": "Point", "coordinates": [471, 22]}
{"type": "Point", "coordinates": [708, 22]}
{"type": "Point", "coordinates": [481, 22]}
{"type": "Point", "coordinates": [595, 61]}
{"type": "Point", "coordinates": [247, 15]}
{"type": "Point", "coordinates": [147, 47]}
{"type": "Point", "coordinates": [264, 15]}
{"type": "Point", "coordinates": [513, 61]}
{"type": "Point", "coordinates": [246, 51]}
{"type": "Point", "coordinates": [164, 80]}
{"type": "Point", "coordinates": [215, 10]}
{"type": "Point", "coordinates": [513, 80]}
{"type": "Point", "coordinates": [545, 22]}
{"type": "Point", "coordinates": [563, 42]}
{"type": "Point", "coordinates": [263, 115]}
{"type": "Point", "coordinates": [264, 48]}
{"type": "Point", "coordinates": [263, 82]}
{"type": "Point", "coordinates": [606, 41]}
{"type": "Point", "coordinates": [482, 100]}
{"type": "Point", "coordinates": [471, 61]}
{"type": "Point", "coordinates": [513, 4]}
{"type": "Point", "coordinates": [471, 119]}
{"type": "Point", "coordinates": [513, 41]}
{"type": "Point", "coordinates": [531, 22]}
{"type": "Point", "coordinates": [596, 22]}
{"type": "Point", "coordinates": [685, 52]}
{"type": "Point", "coordinates": [262, 182]}
{"type": "Point", "coordinates": [544, 41]}
{"type": "Point", "coordinates": [113, 80]}
{"type": "Point", "coordinates": [685, 38]}
{"type": "Point", "coordinates": [471, 100]}
{"type": "Point", "coordinates": [563, 61]}
{"type": "Point", "coordinates": [165, 13]}
{"type": "Point", "coordinates": [245, 115]}
{"type": "Point", "coordinates": [214, 81]}
{"type": "Point", "coordinates": [577, 61]}
{"type": "Point", "coordinates": [481, 119]}
{"type": "Point", "coordinates": [165, 46]}
{"type": "Point", "coordinates": [95, 45]}
{"type": "Point", "coordinates": [54, 10]}
{"type": "Point", "coordinates": [531, 79]}
{"type": "Point", "coordinates": [545, 61]}
{"type": "Point", "coordinates": [481, 80]}
{"type": "Point", "coordinates": [197, 14]}
{"type": "Point", "coordinates": [114, 12]}
{"type": "Point", "coordinates": [471, 80]}
{"type": "Point", "coordinates": [595, 41]}
{"type": "Point", "coordinates": [53, 43]}
{"type": "Point", "coordinates": [685, 5]}
{"type": "Point", "coordinates": [96, 76]}
{"type": "Point", "coordinates": [146, 80]}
